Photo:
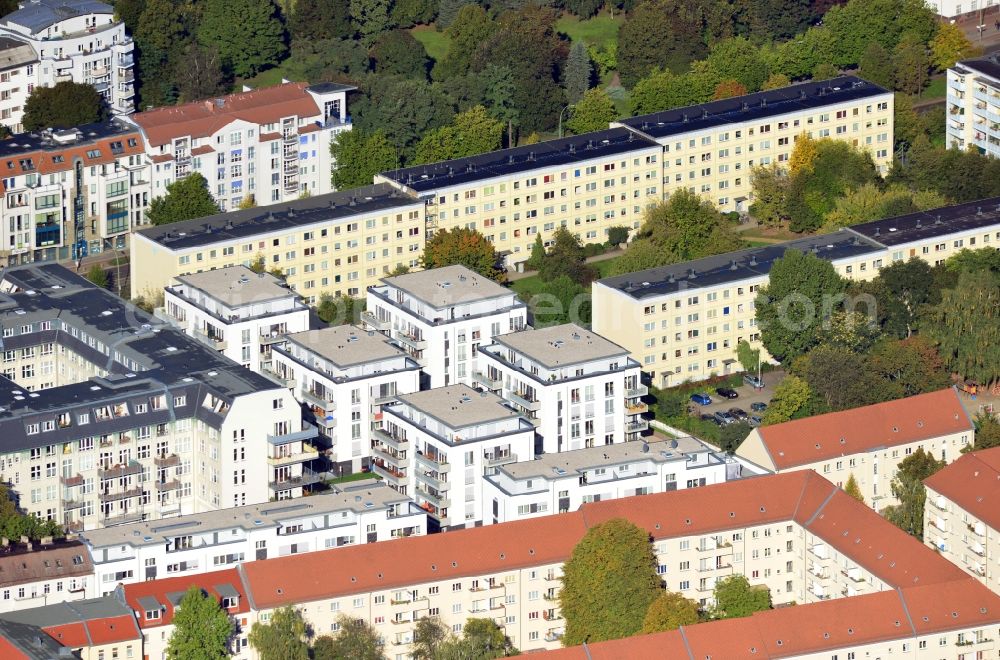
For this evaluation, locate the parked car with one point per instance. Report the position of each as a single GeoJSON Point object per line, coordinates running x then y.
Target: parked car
{"type": "Point", "coordinates": [738, 413]}
{"type": "Point", "coordinates": [758, 406]}
{"type": "Point", "coordinates": [710, 418]}
{"type": "Point", "coordinates": [753, 381]}
{"type": "Point", "coordinates": [725, 418]}
{"type": "Point", "coordinates": [701, 399]}
{"type": "Point", "coordinates": [727, 393]}
{"type": "Point", "coordinates": [755, 420]}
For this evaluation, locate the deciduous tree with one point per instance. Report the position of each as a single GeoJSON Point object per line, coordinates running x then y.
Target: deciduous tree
{"type": "Point", "coordinates": [472, 132]}
{"type": "Point", "coordinates": [965, 326]}
{"type": "Point", "coordinates": [481, 639]}
{"type": "Point", "coordinates": [249, 45]}
{"type": "Point", "coordinates": [370, 18]}
{"type": "Point", "coordinates": [428, 635]}
{"type": "Point", "coordinates": [791, 400]}
{"type": "Point", "coordinates": [402, 108]}
{"type": "Point", "coordinates": [201, 630]}
{"type": "Point", "coordinates": [876, 65]}
{"type": "Point", "coordinates": [98, 276]}
{"type": "Point", "coordinates": [314, 20]}
{"type": "Point", "coordinates": [64, 105]}
{"type": "Point", "coordinates": [679, 39]}
{"type": "Point", "coordinates": [910, 58]}
{"type": "Point", "coordinates": [853, 489]}
{"type": "Point", "coordinates": [738, 59]}
{"type": "Point", "coordinates": [728, 89]}
{"type": "Point", "coordinates": [908, 487]}
{"type": "Point", "coordinates": [463, 246]}
{"type": "Point", "coordinates": [201, 75]}
{"type": "Point", "coordinates": [908, 367]}
{"type": "Point", "coordinates": [357, 639]}
{"type": "Point", "coordinates": [731, 436]}
{"type": "Point", "coordinates": [592, 113]}
{"type": "Point", "coordinates": [186, 198]}
{"type": "Point", "coordinates": [987, 432]}
{"type": "Point", "coordinates": [776, 81]}
{"type": "Point", "coordinates": [950, 45]}
{"type": "Point", "coordinates": [566, 258]}
{"type": "Point", "coordinates": [397, 52]}
{"type": "Point", "coordinates": [339, 309]}
{"type": "Point", "coordinates": [735, 597]}
{"type": "Point", "coordinates": [748, 356]}
{"type": "Point", "coordinates": [360, 157]}
{"type": "Point", "coordinates": [283, 637]}
{"type": "Point", "coordinates": [609, 582]}
{"type": "Point", "coordinates": [669, 611]}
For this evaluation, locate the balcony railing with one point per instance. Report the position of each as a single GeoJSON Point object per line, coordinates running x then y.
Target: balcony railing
{"type": "Point", "coordinates": [636, 427]}
{"type": "Point", "coordinates": [391, 459]}
{"type": "Point", "coordinates": [163, 486]}
{"type": "Point", "coordinates": [121, 519]}
{"type": "Point", "coordinates": [436, 463]}
{"type": "Point", "coordinates": [71, 481]}
{"type": "Point", "coordinates": [310, 432]}
{"type": "Point", "coordinates": [119, 471]}
{"type": "Point", "coordinates": [308, 453]}
{"type": "Point", "coordinates": [211, 341]}
{"type": "Point", "coordinates": [521, 399]}
{"type": "Point", "coordinates": [436, 483]}
{"type": "Point", "coordinates": [636, 408]}
{"type": "Point", "coordinates": [494, 460]}
{"type": "Point", "coordinates": [414, 342]}
{"type": "Point", "coordinates": [286, 482]}
{"type": "Point", "coordinates": [440, 500]}
{"type": "Point", "coordinates": [390, 474]}
{"type": "Point", "coordinates": [120, 495]}
{"type": "Point", "coordinates": [374, 322]}
{"type": "Point", "coordinates": [394, 441]}
{"type": "Point", "coordinates": [486, 381]}
{"type": "Point", "coordinates": [637, 391]}
{"type": "Point", "coordinates": [323, 401]}
{"type": "Point", "coordinates": [170, 460]}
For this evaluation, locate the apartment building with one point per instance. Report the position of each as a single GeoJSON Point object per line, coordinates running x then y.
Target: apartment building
{"type": "Point", "coordinates": [344, 375]}
{"type": "Point", "coordinates": [18, 64]}
{"type": "Point", "coordinates": [973, 102]}
{"type": "Point", "coordinates": [92, 629]}
{"type": "Point", "coordinates": [557, 483]}
{"type": "Point", "coordinates": [43, 572]}
{"type": "Point", "coordinates": [235, 311]}
{"type": "Point", "coordinates": [155, 603]}
{"type": "Point", "coordinates": [576, 387]}
{"type": "Point", "coordinates": [338, 243]}
{"type": "Point", "coordinates": [72, 40]}
{"type": "Point", "coordinates": [434, 440]}
{"type": "Point", "coordinates": [71, 193]}
{"type": "Point", "coordinates": [442, 316]}
{"type": "Point", "coordinates": [109, 416]}
{"type": "Point", "coordinates": [683, 321]}
{"type": "Point", "coordinates": [960, 515]}
{"type": "Point", "coordinates": [270, 144]}
{"type": "Point", "coordinates": [867, 442]}
{"type": "Point", "coordinates": [797, 534]}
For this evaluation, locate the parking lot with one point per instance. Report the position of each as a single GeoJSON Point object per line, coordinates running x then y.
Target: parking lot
{"type": "Point", "coordinates": [747, 396]}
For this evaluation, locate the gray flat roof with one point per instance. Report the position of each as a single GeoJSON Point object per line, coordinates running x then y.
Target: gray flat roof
{"type": "Point", "coordinates": [458, 406]}
{"type": "Point", "coordinates": [925, 225]}
{"type": "Point", "coordinates": [448, 285]}
{"type": "Point", "coordinates": [238, 285]}
{"type": "Point", "coordinates": [36, 15]}
{"type": "Point", "coordinates": [14, 53]}
{"type": "Point", "coordinates": [346, 345]}
{"type": "Point", "coordinates": [358, 496]}
{"type": "Point", "coordinates": [561, 345]}
{"type": "Point", "coordinates": [32, 641]}
{"type": "Point", "coordinates": [555, 466]}
{"type": "Point", "coordinates": [62, 613]}
{"type": "Point", "coordinates": [989, 66]}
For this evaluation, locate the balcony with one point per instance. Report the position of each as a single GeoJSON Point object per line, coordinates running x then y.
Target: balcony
{"type": "Point", "coordinates": [495, 460]}
{"type": "Point", "coordinates": [853, 575]}
{"type": "Point", "coordinates": [162, 314]}
{"type": "Point", "coordinates": [435, 463]}
{"type": "Point", "coordinates": [394, 441]}
{"type": "Point", "coordinates": [164, 486]}
{"type": "Point", "coordinates": [553, 635]}
{"type": "Point", "coordinates": [391, 459]}
{"type": "Point", "coordinates": [324, 401]}
{"type": "Point", "coordinates": [638, 426]}
{"type": "Point", "coordinates": [636, 408]}
{"type": "Point", "coordinates": [310, 432]}
{"type": "Point", "coordinates": [167, 461]}
{"type": "Point", "coordinates": [520, 399]}
{"type": "Point", "coordinates": [69, 505]}
{"type": "Point", "coordinates": [373, 322]}
{"type": "Point", "coordinates": [71, 482]}
{"type": "Point", "coordinates": [119, 471]}
{"type": "Point", "coordinates": [285, 381]}
{"type": "Point", "coordinates": [637, 391]}
{"type": "Point", "coordinates": [121, 495]}
{"type": "Point", "coordinates": [121, 519]}
{"type": "Point", "coordinates": [390, 474]}
{"type": "Point", "coordinates": [413, 341]}
{"type": "Point", "coordinates": [211, 341]}
{"type": "Point", "coordinates": [486, 381]}
{"type": "Point", "coordinates": [307, 454]}
{"type": "Point", "coordinates": [439, 500]}
{"type": "Point", "coordinates": [436, 483]}
{"type": "Point", "coordinates": [271, 338]}
{"type": "Point", "coordinates": [286, 482]}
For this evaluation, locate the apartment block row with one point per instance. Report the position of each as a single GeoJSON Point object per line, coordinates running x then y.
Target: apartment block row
{"type": "Point", "coordinates": [45, 42]}
{"type": "Point", "coordinates": [683, 321]}
{"type": "Point", "coordinates": [81, 191]}
{"type": "Point", "coordinates": [973, 101]}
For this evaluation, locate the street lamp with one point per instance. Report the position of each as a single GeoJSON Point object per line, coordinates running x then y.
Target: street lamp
{"type": "Point", "coordinates": [561, 116]}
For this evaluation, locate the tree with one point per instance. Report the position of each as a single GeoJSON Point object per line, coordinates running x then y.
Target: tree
{"type": "Point", "coordinates": [911, 62]}
{"type": "Point", "coordinates": [428, 635]}
{"type": "Point", "coordinates": [566, 258]}
{"type": "Point", "coordinates": [356, 639]}
{"type": "Point", "coordinates": [853, 489]}
{"type": "Point", "coordinates": [907, 367]}
{"type": "Point", "coordinates": [471, 27]}
{"type": "Point", "coordinates": [578, 72]}
{"type": "Point", "coordinates": [370, 18]}
{"type": "Point", "coordinates": [876, 65]}
{"type": "Point", "coordinates": [608, 583]}
{"type": "Point", "coordinates": [791, 400]}
{"type": "Point", "coordinates": [618, 235]}
{"type": "Point", "coordinates": [850, 330]}
{"type": "Point", "coordinates": [339, 309]}
{"type": "Point", "coordinates": [560, 301]}
{"type": "Point", "coordinates": [679, 39]}
{"type": "Point", "coordinates": [748, 357]}
{"type": "Point", "coordinates": [776, 81]}
{"type": "Point", "coordinates": [728, 89]}
{"type": "Point", "coordinates": [735, 597]}
{"type": "Point", "coordinates": [498, 96]}
{"type": "Point", "coordinates": [360, 157]}
{"type": "Point", "coordinates": [583, 8]}
{"type": "Point", "coordinates": [249, 45]}
{"type": "Point", "coordinates": [871, 202]}
{"type": "Point", "coordinates": [202, 629]}
{"type": "Point", "coordinates": [838, 378]}
{"type": "Point", "coordinates": [404, 109]}
{"type": "Point", "coordinates": [669, 611]}
{"type": "Point", "coordinates": [820, 172]}
{"type": "Point", "coordinates": [462, 246]}
{"type": "Point", "coordinates": [98, 276]}
{"type": "Point", "coordinates": [770, 190]}
{"type": "Point", "coordinates": [965, 326]}
{"type": "Point", "coordinates": [950, 45]}
{"type": "Point", "coordinates": [281, 638]}
{"type": "Point", "coordinates": [971, 261]}
{"type": "Point", "coordinates": [186, 199]}
{"type": "Point", "coordinates": [801, 293]}
{"type": "Point", "coordinates": [738, 59]}
{"type": "Point", "coordinates": [906, 286]}
{"type": "Point", "coordinates": [313, 20]}
{"type": "Point", "coordinates": [407, 13]}
{"type": "Point", "coordinates": [64, 105]}
{"type": "Point", "coordinates": [534, 262]}
{"type": "Point", "coordinates": [482, 639]}
{"type": "Point", "coordinates": [987, 432]}
{"type": "Point", "coordinates": [201, 76]}
{"type": "Point", "coordinates": [397, 52]}
{"type": "Point", "coordinates": [732, 436]}
{"type": "Point", "coordinates": [472, 132]}
{"type": "Point", "coordinates": [908, 487]}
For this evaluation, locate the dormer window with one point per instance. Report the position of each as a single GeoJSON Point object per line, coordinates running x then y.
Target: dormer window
{"type": "Point", "coordinates": [152, 615]}
{"type": "Point", "coordinates": [230, 602]}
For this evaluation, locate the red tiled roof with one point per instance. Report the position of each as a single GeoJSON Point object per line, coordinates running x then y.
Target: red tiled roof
{"type": "Point", "coordinates": [161, 158]}
{"type": "Point", "coordinates": [63, 560]}
{"type": "Point", "coordinates": [858, 430]}
{"type": "Point", "coordinates": [72, 634]}
{"type": "Point", "coordinates": [160, 589]}
{"type": "Point", "coordinates": [203, 118]}
{"type": "Point", "coordinates": [10, 652]}
{"type": "Point", "coordinates": [202, 150]}
{"type": "Point", "coordinates": [51, 161]}
{"type": "Point", "coordinates": [973, 483]}
{"type": "Point", "coordinates": [111, 630]}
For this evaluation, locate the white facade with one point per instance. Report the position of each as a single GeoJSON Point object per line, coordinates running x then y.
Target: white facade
{"type": "Point", "coordinates": [436, 445]}
{"type": "Point", "coordinates": [18, 64]}
{"type": "Point", "coordinates": [236, 311]}
{"type": "Point", "coordinates": [357, 512]}
{"type": "Point", "coordinates": [955, 8]}
{"type": "Point", "coordinates": [557, 483]}
{"type": "Point", "coordinates": [344, 375]}
{"type": "Point", "coordinates": [973, 118]}
{"type": "Point", "coordinates": [442, 316]}
{"type": "Point", "coordinates": [579, 389]}
{"type": "Point", "coordinates": [74, 40]}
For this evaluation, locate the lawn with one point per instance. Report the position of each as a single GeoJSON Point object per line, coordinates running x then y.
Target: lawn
{"type": "Point", "coordinates": [600, 30]}
{"type": "Point", "coordinates": [529, 286]}
{"type": "Point", "coordinates": [435, 43]}
{"type": "Point", "coordinates": [267, 78]}
{"type": "Point", "coordinates": [936, 90]}
{"type": "Point", "coordinates": [357, 476]}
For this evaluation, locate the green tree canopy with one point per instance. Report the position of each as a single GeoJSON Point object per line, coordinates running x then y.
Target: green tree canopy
{"type": "Point", "coordinates": [428, 635]}
{"type": "Point", "coordinates": [871, 202]}
{"type": "Point", "coordinates": [403, 109]}
{"type": "Point", "coordinates": [472, 26]}
{"type": "Point", "coordinates": [472, 132]}
{"type": "Point", "coordinates": [566, 258]}
{"type": "Point", "coordinates": [98, 276]}
{"type": "Point", "coordinates": [908, 487]}
{"type": "Point", "coordinates": [965, 326]}
{"type": "Point", "coordinates": [579, 70]}
{"type": "Point", "coordinates": [950, 45]}
{"type": "Point", "coordinates": [912, 64]}
{"type": "Point", "coordinates": [592, 113]}
{"type": "Point", "coordinates": [876, 65]}
{"type": "Point", "coordinates": [356, 639]}
{"type": "Point", "coordinates": [64, 105]}
{"type": "Point", "coordinates": [853, 489]}
{"type": "Point", "coordinates": [679, 39]}
{"type": "Point", "coordinates": [669, 611]}
{"type": "Point", "coordinates": [802, 291]}
{"type": "Point", "coordinates": [731, 436]}
{"type": "Point", "coordinates": [186, 199]}
{"type": "Point", "coordinates": [558, 301]}
{"type": "Point", "coordinates": [987, 432]}
{"type": "Point", "coordinates": [907, 367]}
{"type": "Point", "coordinates": [360, 157]}
{"type": "Point", "coordinates": [482, 639]}
{"type": "Point", "coordinates": [339, 309]}
{"type": "Point", "coordinates": [249, 45]}
{"type": "Point", "coordinates": [463, 246]}
{"type": "Point", "coordinates": [313, 20]}
{"type": "Point", "coordinates": [202, 629]}
{"type": "Point", "coordinates": [738, 59]}
{"type": "Point", "coordinates": [791, 400]}
{"type": "Point", "coordinates": [735, 597]}
{"type": "Point", "coordinates": [370, 18]}
{"type": "Point", "coordinates": [283, 637]}
{"type": "Point", "coordinates": [748, 356]}
{"type": "Point", "coordinates": [398, 52]}
{"type": "Point", "coordinates": [901, 291]}
{"type": "Point", "coordinates": [609, 582]}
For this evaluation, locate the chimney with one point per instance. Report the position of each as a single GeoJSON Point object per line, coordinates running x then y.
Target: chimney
{"type": "Point", "coordinates": [208, 105]}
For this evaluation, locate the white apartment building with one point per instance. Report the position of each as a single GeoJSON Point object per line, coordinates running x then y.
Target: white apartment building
{"type": "Point", "coordinates": [344, 375]}
{"type": "Point", "coordinates": [270, 144]}
{"type": "Point", "coordinates": [955, 8]}
{"type": "Point", "coordinates": [110, 417]}
{"type": "Point", "coordinates": [358, 512]}
{"type": "Point", "coordinates": [71, 193]}
{"type": "Point", "coordinates": [77, 40]}
{"type": "Point", "coordinates": [683, 321]}
{"type": "Point", "coordinates": [558, 483]}
{"type": "Point", "coordinates": [235, 311]}
{"type": "Point", "coordinates": [867, 442]}
{"type": "Point", "coordinates": [33, 574]}
{"type": "Point", "coordinates": [973, 98]}
{"type": "Point", "coordinates": [577, 388]}
{"type": "Point", "coordinates": [18, 64]}
{"type": "Point", "coordinates": [442, 316]}
{"type": "Point", "coordinates": [436, 445]}
{"type": "Point", "coordinates": [960, 515]}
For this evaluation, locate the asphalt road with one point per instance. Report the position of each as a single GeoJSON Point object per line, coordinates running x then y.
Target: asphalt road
{"type": "Point", "coordinates": [747, 396]}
